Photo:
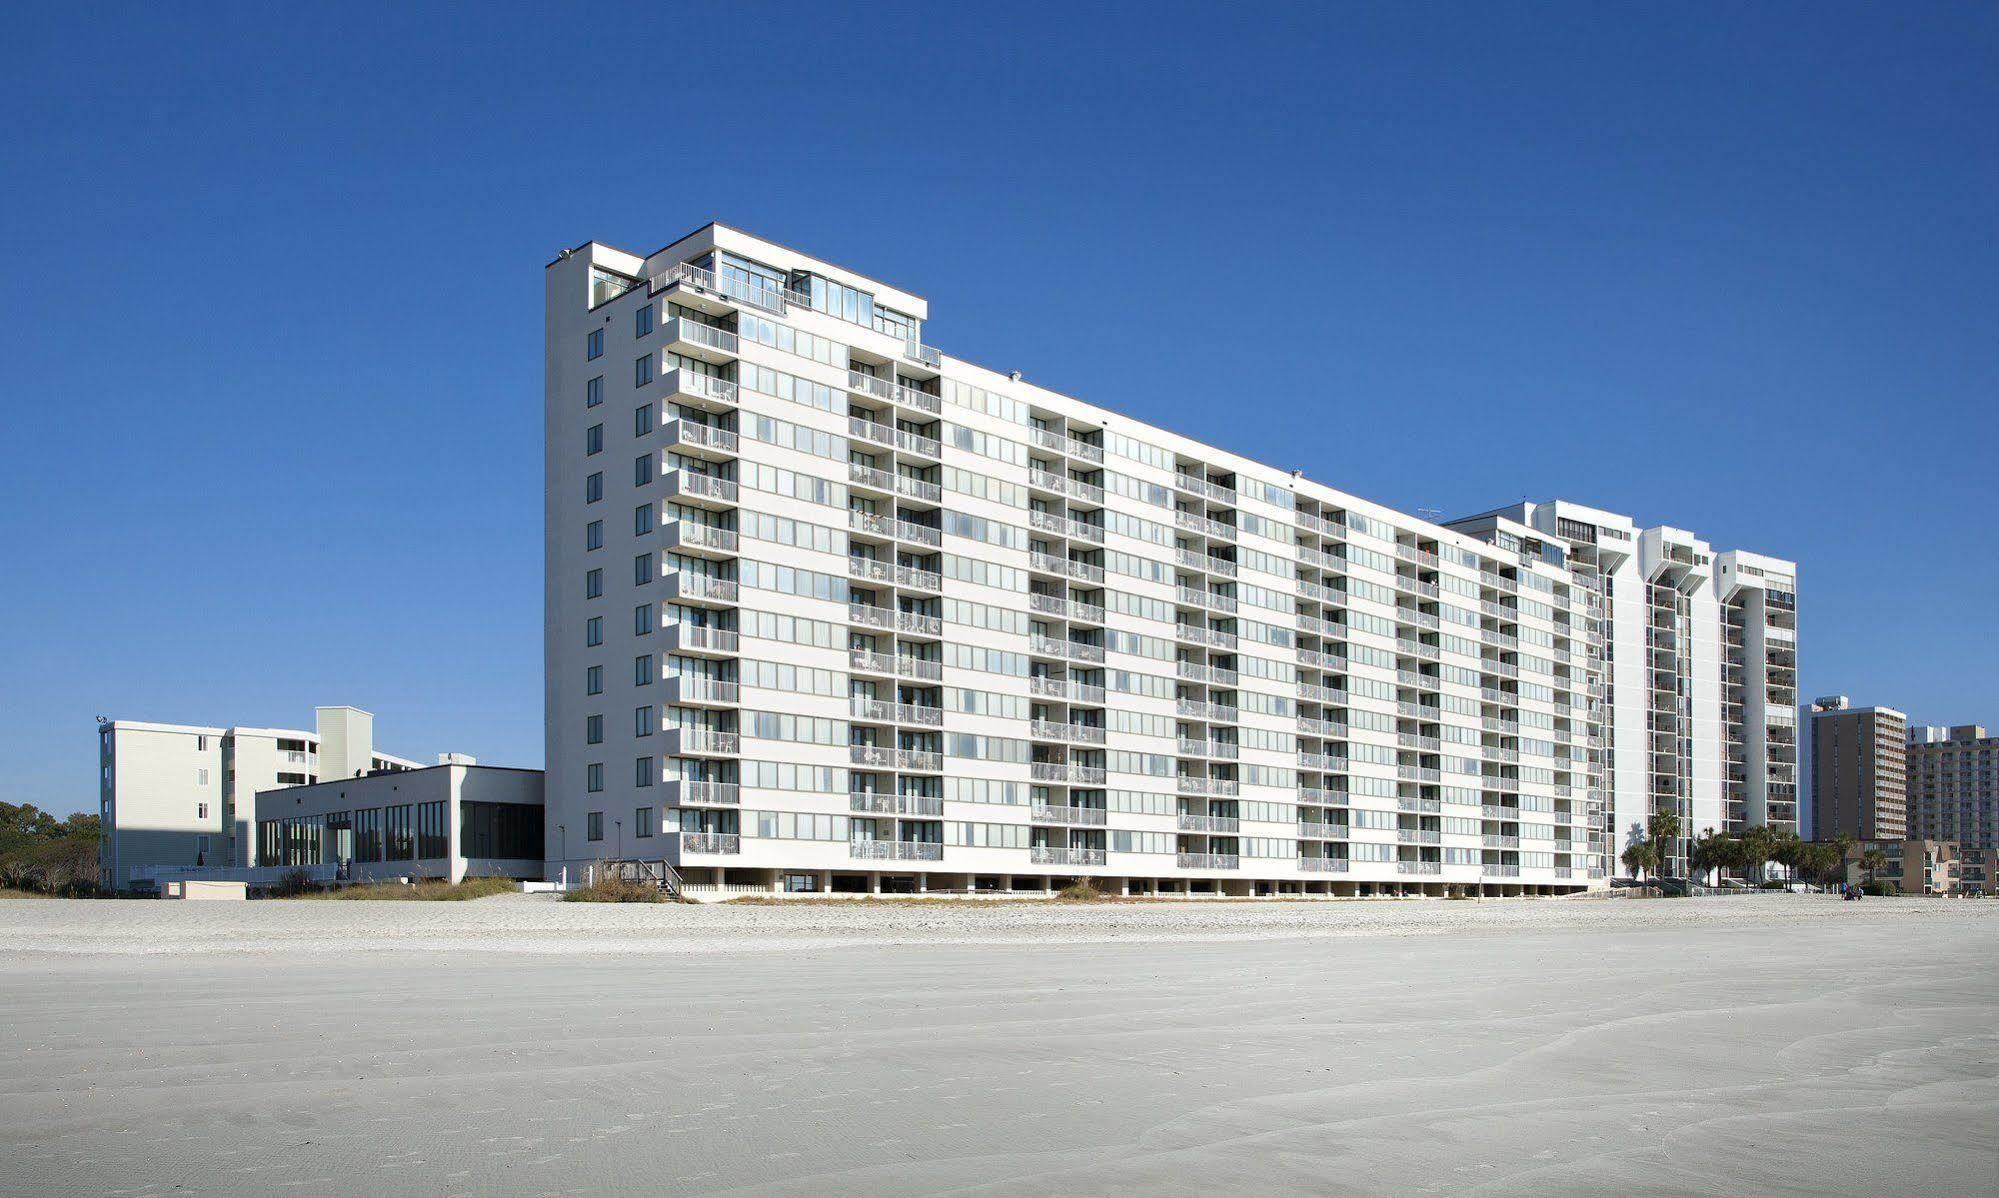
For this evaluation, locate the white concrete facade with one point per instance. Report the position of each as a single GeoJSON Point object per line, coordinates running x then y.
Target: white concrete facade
{"type": "Point", "coordinates": [180, 795]}
{"type": "Point", "coordinates": [1697, 712]}
{"type": "Point", "coordinates": [826, 607]}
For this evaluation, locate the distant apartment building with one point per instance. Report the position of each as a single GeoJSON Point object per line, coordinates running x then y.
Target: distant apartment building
{"type": "Point", "coordinates": [827, 608]}
{"type": "Point", "coordinates": [1954, 786]}
{"type": "Point", "coordinates": [1915, 865]}
{"type": "Point", "coordinates": [181, 795]}
{"type": "Point", "coordinates": [1859, 782]}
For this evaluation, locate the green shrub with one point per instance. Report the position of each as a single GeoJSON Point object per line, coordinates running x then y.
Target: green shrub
{"type": "Point", "coordinates": [615, 890]}
{"type": "Point", "coordinates": [1079, 892]}
{"type": "Point", "coordinates": [1880, 889]}
{"type": "Point", "coordinates": [429, 890]}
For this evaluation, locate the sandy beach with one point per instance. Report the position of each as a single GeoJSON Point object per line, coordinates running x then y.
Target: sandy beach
{"type": "Point", "coordinates": [1767, 1044]}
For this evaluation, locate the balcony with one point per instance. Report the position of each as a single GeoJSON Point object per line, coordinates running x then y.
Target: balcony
{"type": "Point", "coordinates": [700, 742]}
{"type": "Point", "coordinates": [699, 490]}
{"type": "Point", "coordinates": [882, 711]}
{"type": "Point", "coordinates": [689, 691]}
{"type": "Point", "coordinates": [1419, 867]}
{"type": "Point", "coordinates": [868, 802]}
{"type": "Point", "coordinates": [692, 339]}
{"type": "Point", "coordinates": [895, 850]}
{"type": "Point", "coordinates": [1195, 672]}
{"type": "Point", "coordinates": [918, 534]}
{"type": "Point", "coordinates": [1225, 787]}
{"type": "Point", "coordinates": [1496, 870]}
{"type": "Point", "coordinates": [871, 617]}
{"type": "Point", "coordinates": [1194, 484]}
{"type": "Point", "coordinates": [720, 844]}
{"type": "Point", "coordinates": [699, 540]}
{"type": "Point", "coordinates": [1316, 830]}
{"type": "Point", "coordinates": [1417, 773]}
{"type": "Point", "coordinates": [1323, 865]}
{"type": "Point", "coordinates": [1322, 762]}
{"type": "Point", "coordinates": [870, 387]}
{"type": "Point", "coordinates": [1419, 836]}
{"type": "Point", "coordinates": [1048, 855]}
{"type": "Point", "coordinates": [1196, 523]}
{"type": "Point", "coordinates": [703, 794]}
{"type": "Point", "coordinates": [1210, 823]}
{"type": "Point", "coordinates": [1046, 813]}
{"type": "Point", "coordinates": [1194, 559]}
{"type": "Point", "coordinates": [1209, 861]}
{"type": "Point", "coordinates": [918, 624]}
{"type": "Point", "coordinates": [1205, 636]}
{"type": "Point", "coordinates": [691, 439]}
{"type": "Point", "coordinates": [1050, 439]}
{"type": "Point", "coordinates": [682, 587]}
{"type": "Point", "coordinates": [689, 389]}
{"type": "Point", "coordinates": [1195, 709]}
{"type": "Point", "coordinates": [1495, 840]}
{"type": "Point", "coordinates": [870, 569]}
{"type": "Point", "coordinates": [1420, 806]}
{"type": "Point", "coordinates": [696, 640]}
{"type": "Point", "coordinates": [1063, 773]}
{"type": "Point", "coordinates": [873, 478]}
{"type": "Point", "coordinates": [1082, 734]}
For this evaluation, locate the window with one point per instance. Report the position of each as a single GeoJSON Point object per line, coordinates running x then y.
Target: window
{"type": "Point", "coordinates": [593, 585]}
{"type": "Point", "coordinates": [594, 822]}
{"type": "Point", "coordinates": [509, 830]}
{"type": "Point", "coordinates": [402, 833]}
{"type": "Point", "coordinates": [642, 670]}
{"type": "Point", "coordinates": [594, 349]}
{"type": "Point", "coordinates": [593, 779]}
{"type": "Point", "coordinates": [593, 730]}
{"type": "Point", "coordinates": [593, 680]}
{"type": "Point", "coordinates": [642, 569]}
{"type": "Point", "coordinates": [593, 440]}
{"type": "Point", "coordinates": [642, 519]}
{"type": "Point", "coordinates": [643, 768]}
{"type": "Point", "coordinates": [642, 470]}
{"type": "Point", "coordinates": [593, 487]}
{"type": "Point", "coordinates": [642, 420]}
{"type": "Point", "coordinates": [642, 721]}
{"type": "Point", "coordinates": [593, 392]}
{"type": "Point", "coordinates": [431, 842]}
{"type": "Point", "coordinates": [201, 744]}
{"type": "Point", "coordinates": [642, 371]}
{"type": "Point", "coordinates": [201, 811]}
{"type": "Point", "coordinates": [201, 777]}
{"type": "Point", "coordinates": [593, 534]}
{"type": "Point", "coordinates": [642, 619]}
{"type": "Point", "coordinates": [643, 320]}
{"type": "Point", "coordinates": [593, 631]}
{"type": "Point", "coordinates": [642, 818]}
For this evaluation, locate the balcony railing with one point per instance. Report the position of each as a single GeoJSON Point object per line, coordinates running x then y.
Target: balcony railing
{"type": "Point", "coordinates": [1049, 855]}
{"type": "Point", "coordinates": [895, 850]}
{"type": "Point", "coordinates": [718, 793]}
{"type": "Point", "coordinates": [1210, 823]}
{"type": "Point", "coordinates": [1209, 861]}
{"type": "Point", "coordinates": [1315, 830]}
{"type": "Point", "coordinates": [713, 843]}
{"type": "Point", "coordinates": [1048, 813]}
{"type": "Point", "coordinates": [1323, 865]}
{"type": "Point", "coordinates": [868, 802]}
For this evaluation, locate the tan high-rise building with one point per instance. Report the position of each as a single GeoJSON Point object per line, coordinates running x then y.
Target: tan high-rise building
{"type": "Point", "coordinates": [1859, 772]}
{"type": "Point", "coordinates": [1954, 786]}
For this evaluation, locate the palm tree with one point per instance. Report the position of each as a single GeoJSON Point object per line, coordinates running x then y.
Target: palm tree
{"type": "Point", "coordinates": [1640, 856]}
{"type": "Point", "coordinates": [1872, 860]}
{"type": "Point", "coordinates": [1712, 851]}
{"type": "Point", "coordinates": [1757, 845]}
{"type": "Point", "coordinates": [1663, 830]}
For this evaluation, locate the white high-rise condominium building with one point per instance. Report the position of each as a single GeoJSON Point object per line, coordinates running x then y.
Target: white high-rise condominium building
{"type": "Point", "coordinates": [826, 608]}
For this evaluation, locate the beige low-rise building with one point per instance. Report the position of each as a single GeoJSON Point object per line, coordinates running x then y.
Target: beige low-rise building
{"type": "Point", "coordinates": [1929, 867]}
{"type": "Point", "coordinates": [180, 795]}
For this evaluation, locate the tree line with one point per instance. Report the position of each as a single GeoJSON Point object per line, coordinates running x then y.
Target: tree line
{"type": "Point", "coordinates": [1748, 852]}
{"type": "Point", "coordinates": [41, 853]}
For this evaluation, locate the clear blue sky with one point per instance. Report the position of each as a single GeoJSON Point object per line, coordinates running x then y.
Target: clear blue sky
{"type": "Point", "coordinates": [272, 300]}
